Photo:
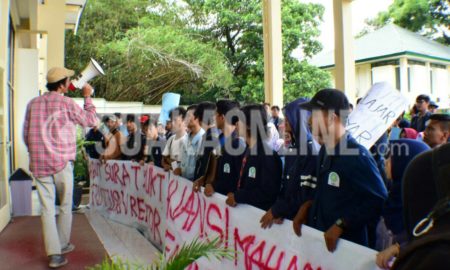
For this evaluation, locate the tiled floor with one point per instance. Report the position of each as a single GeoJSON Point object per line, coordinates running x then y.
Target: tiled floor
{"type": "Point", "coordinates": [119, 240]}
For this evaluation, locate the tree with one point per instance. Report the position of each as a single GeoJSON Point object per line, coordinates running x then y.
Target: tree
{"type": "Point", "coordinates": [145, 53]}
{"type": "Point", "coordinates": [428, 17]}
{"type": "Point", "coordinates": [237, 27]}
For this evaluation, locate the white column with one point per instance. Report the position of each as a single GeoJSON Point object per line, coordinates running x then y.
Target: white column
{"type": "Point", "coordinates": [343, 43]}
{"type": "Point", "coordinates": [428, 81]}
{"type": "Point", "coordinates": [273, 54]}
{"type": "Point", "coordinates": [403, 75]}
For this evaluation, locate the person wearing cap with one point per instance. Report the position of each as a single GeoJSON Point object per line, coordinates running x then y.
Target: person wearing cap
{"type": "Point", "coordinates": [135, 144]}
{"type": "Point", "coordinates": [113, 140]}
{"type": "Point", "coordinates": [438, 130]}
{"type": "Point", "coordinates": [49, 134]}
{"type": "Point", "coordinates": [350, 191]}
{"type": "Point", "coordinates": [418, 121]}
{"type": "Point", "coordinates": [432, 107]}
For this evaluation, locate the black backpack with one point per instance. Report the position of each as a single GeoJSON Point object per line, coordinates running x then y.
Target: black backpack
{"type": "Point", "coordinates": [430, 248]}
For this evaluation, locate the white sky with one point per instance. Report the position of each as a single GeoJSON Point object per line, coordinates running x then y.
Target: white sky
{"type": "Point", "coordinates": [361, 10]}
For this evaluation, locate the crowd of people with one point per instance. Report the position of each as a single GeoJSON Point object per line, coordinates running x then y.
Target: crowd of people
{"type": "Point", "coordinates": [306, 167]}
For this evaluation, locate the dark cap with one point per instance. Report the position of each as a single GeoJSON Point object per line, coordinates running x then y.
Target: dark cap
{"type": "Point", "coordinates": [433, 104]}
{"type": "Point", "coordinates": [328, 99]}
{"type": "Point", "coordinates": [425, 98]}
{"type": "Point", "coordinates": [440, 117]}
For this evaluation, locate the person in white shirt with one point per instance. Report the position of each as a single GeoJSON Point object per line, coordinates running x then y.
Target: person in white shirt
{"type": "Point", "coordinates": [191, 150]}
{"type": "Point", "coordinates": [172, 153]}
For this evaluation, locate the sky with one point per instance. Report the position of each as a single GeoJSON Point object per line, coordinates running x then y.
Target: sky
{"type": "Point", "coordinates": [361, 10]}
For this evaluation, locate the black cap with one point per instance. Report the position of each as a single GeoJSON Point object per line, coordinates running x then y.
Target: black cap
{"type": "Point", "coordinates": [440, 117]}
{"type": "Point", "coordinates": [423, 97]}
{"type": "Point", "coordinates": [328, 99]}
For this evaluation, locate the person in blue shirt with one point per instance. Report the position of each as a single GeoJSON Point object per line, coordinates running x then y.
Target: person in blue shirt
{"type": "Point", "coordinates": [350, 192]}
{"type": "Point", "coordinates": [299, 177]}
{"type": "Point", "coordinates": [419, 121]}
{"type": "Point", "coordinates": [259, 179]}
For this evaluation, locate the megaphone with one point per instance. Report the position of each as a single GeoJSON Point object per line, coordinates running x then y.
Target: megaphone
{"type": "Point", "coordinates": [92, 70]}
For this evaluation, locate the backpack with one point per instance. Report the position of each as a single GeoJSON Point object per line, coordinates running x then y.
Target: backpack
{"type": "Point", "coordinates": [430, 249]}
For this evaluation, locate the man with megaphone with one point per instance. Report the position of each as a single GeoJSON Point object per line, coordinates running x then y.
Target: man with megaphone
{"type": "Point", "coordinates": [50, 135]}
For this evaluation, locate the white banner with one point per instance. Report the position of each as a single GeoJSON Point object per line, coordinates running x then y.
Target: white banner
{"type": "Point", "coordinates": [170, 214]}
{"type": "Point", "coordinates": [375, 113]}
{"type": "Point", "coordinates": [131, 194]}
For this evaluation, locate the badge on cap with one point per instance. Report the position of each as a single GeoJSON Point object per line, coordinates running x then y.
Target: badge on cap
{"type": "Point", "coordinates": [252, 172]}
{"type": "Point", "coordinates": [226, 168]}
{"type": "Point", "coordinates": [333, 179]}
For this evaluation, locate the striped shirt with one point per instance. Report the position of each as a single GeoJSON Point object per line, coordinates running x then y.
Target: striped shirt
{"type": "Point", "coordinates": [50, 131]}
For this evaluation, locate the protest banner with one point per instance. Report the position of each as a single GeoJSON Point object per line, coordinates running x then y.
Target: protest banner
{"type": "Point", "coordinates": [131, 194]}
{"type": "Point", "coordinates": [192, 215]}
{"type": "Point", "coordinates": [165, 208]}
{"type": "Point", "coordinates": [375, 113]}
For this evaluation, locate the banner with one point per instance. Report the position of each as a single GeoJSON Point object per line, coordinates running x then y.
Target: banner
{"type": "Point", "coordinates": [131, 194]}
{"type": "Point", "coordinates": [165, 208]}
{"type": "Point", "coordinates": [375, 113]}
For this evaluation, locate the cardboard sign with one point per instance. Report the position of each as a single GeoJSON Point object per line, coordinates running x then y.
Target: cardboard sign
{"type": "Point", "coordinates": [375, 113]}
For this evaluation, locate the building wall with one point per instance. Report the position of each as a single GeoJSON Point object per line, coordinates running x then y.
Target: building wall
{"type": "Point", "coordinates": [363, 79]}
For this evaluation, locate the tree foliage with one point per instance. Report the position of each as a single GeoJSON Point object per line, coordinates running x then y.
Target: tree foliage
{"type": "Point", "coordinates": [429, 17]}
{"type": "Point", "coordinates": [203, 49]}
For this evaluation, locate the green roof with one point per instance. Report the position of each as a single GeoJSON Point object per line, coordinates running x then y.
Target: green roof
{"type": "Point", "coordinates": [390, 40]}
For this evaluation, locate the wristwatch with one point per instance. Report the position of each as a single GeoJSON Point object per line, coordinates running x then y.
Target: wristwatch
{"type": "Point", "coordinates": [340, 223]}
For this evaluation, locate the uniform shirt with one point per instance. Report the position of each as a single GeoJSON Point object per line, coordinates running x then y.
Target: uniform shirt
{"type": "Point", "coordinates": [153, 151]}
{"type": "Point", "coordinates": [229, 164]}
{"type": "Point", "coordinates": [349, 187]}
{"type": "Point", "coordinates": [298, 186]}
{"type": "Point", "coordinates": [190, 154]}
{"type": "Point", "coordinates": [49, 131]}
{"type": "Point", "coordinates": [210, 141]}
{"type": "Point", "coordinates": [260, 181]}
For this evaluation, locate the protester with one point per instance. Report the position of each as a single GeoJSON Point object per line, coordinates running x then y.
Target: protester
{"type": "Point", "coordinates": [52, 149]}
{"type": "Point", "coordinates": [120, 126]}
{"type": "Point", "coordinates": [204, 113]}
{"type": "Point", "coordinates": [154, 144]}
{"type": "Point", "coordinates": [438, 130]}
{"type": "Point", "coordinates": [350, 192]}
{"type": "Point", "coordinates": [226, 163]}
{"type": "Point", "coordinates": [408, 133]}
{"type": "Point", "coordinates": [191, 150]}
{"type": "Point", "coordinates": [432, 107]}
{"type": "Point", "coordinates": [299, 177]}
{"type": "Point", "coordinates": [260, 174]}
{"type": "Point", "coordinates": [429, 248]}
{"type": "Point", "coordinates": [134, 147]}
{"type": "Point", "coordinates": [172, 153]}
{"type": "Point", "coordinates": [400, 155]}
{"type": "Point", "coordinates": [168, 129]}
{"type": "Point", "coordinates": [418, 121]}
{"type": "Point", "coordinates": [113, 140]}
{"type": "Point", "coordinates": [276, 119]}
{"type": "Point", "coordinates": [95, 142]}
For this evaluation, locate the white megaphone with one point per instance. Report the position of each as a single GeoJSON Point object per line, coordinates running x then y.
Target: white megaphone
{"type": "Point", "coordinates": [91, 71]}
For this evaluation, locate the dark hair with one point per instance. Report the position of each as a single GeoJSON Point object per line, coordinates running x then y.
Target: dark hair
{"type": "Point", "coordinates": [55, 85]}
{"type": "Point", "coordinates": [118, 114]}
{"type": "Point", "coordinates": [205, 112]}
{"type": "Point", "coordinates": [358, 100]}
{"type": "Point", "coordinates": [249, 111]}
{"type": "Point", "coordinates": [131, 118]}
{"type": "Point", "coordinates": [350, 105]}
{"type": "Point", "coordinates": [425, 98]}
{"type": "Point", "coordinates": [224, 106]}
{"type": "Point", "coordinates": [178, 111]}
{"type": "Point", "coordinates": [149, 122]}
{"type": "Point", "coordinates": [192, 107]}
{"type": "Point", "coordinates": [275, 107]}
